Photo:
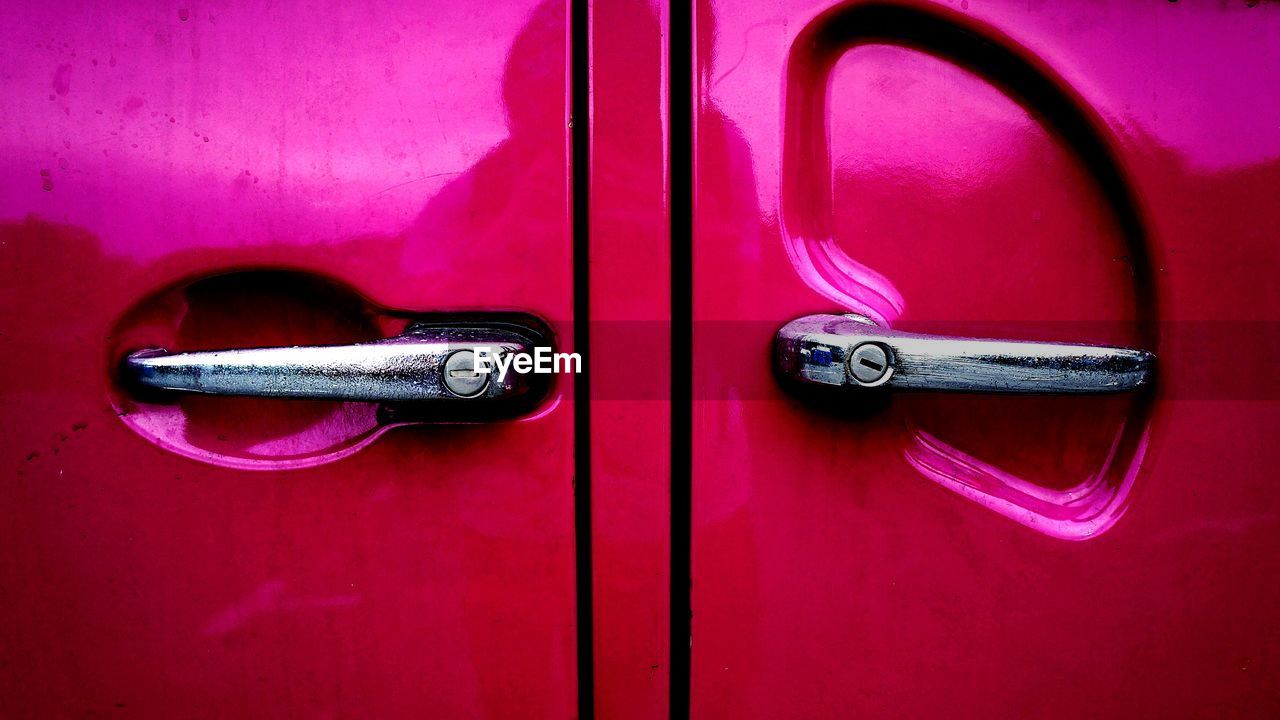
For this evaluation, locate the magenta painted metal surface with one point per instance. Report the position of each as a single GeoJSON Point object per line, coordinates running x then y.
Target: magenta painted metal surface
{"type": "Point", "coordinates": [394, 158]}
{"type": "Point", "coordinates": [1086, 172]}
{"type": "Point", "coordinates": [197, 175]}
{"type": "Point", "coordinates": [630, 356]}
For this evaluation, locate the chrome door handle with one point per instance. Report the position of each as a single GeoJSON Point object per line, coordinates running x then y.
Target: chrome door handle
{"type": "Point", "coordinates": [428, 363]}
{"type": "Point", "coordinates": [851, 351]}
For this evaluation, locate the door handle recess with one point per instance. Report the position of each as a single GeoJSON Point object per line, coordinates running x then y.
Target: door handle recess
{"type": "Point", "coordinates": [852, 351]}
{"type": "Point", "coordinates": [430, 363]}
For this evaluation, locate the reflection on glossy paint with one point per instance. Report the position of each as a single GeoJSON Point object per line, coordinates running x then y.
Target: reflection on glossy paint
{"type": "Point", "coordinates": [273, 126]}
{"type": "Point", "coordinates": [259, 309]}
{"type": "Point", "coordinates": [272, 596]}
{"type": "Point", "coordinates": [342, 432]}
{"type": "Point", "coordinates": [806, 198]}
{"type": "Point", "coordinates": [1077, 513]}
{"type": "Point", "coordinates": [483, 216]}
{"type": "Point", "coordinates": [884, 70]}
{"type": "Point", "coordinates": [334, 590]}
{"type": "Point", "coordinates": [827, 269]}
{"type": "Point", "coordinates": [250, 309]}
{"type": "Point", "coordinates": [850, 581]}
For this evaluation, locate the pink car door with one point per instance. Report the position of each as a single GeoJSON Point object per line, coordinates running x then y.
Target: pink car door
{"type": "Point", "coordinates": [233, 175]}
{"type": "Point", "coordinates": [1072, 173]}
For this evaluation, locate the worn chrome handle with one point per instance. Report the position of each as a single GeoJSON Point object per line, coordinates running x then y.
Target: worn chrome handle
{"type": "Point", "coordinates": [427, 363]}
{"type": "Point", "coordinates": [849, 350]}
